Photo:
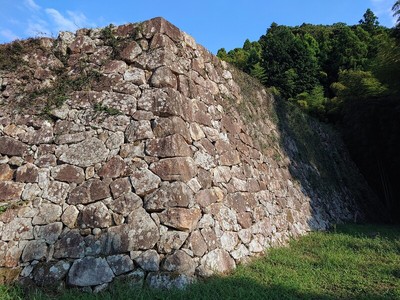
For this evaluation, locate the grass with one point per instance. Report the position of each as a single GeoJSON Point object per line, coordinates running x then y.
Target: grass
{"type": "Point", "coordinates": [351, 262]}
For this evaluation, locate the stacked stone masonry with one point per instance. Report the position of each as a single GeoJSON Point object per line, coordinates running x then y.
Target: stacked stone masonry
{"type": "Point", "coordinates": [169, 189]}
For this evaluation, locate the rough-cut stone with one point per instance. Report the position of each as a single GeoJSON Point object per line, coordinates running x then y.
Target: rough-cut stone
{"type": "Point", "coordinates": [176, 194]}
{"type": "Point", "coordinates": [27, 173]}
{"type": "Point", "coordinates": [120, 264]}
{"type": "Point", "coordinates": [179, 168]}
{"type": "Point", "coordinates": [181, 218]}
{"type": "Point", "coordinates": [136, 76]}
{"type": "Point", "coordinates": [6, 173]}
{"type": "Point", "coordinates": [131, 52]}
{"type": "Point", "coordinates": [17, 229]}
{"type": "Point", "coordinates": [179, 262]}
{"type": "Point", "coordinates": [139, 130]}
{"type": "Point", "coordinates": [50, 273]}
{"type": "Point", "coordinates": [149, 260]}
{"type": "Point", "coordinates": [90, 271]}
{"type": "Point", "coordinates": [217, 261]}
{"type": "Point", "coordinates": [196, 132]}
{"type": "Point", "coordinates": [197, 244]}
{"type": "Point", "coordinates": [170, 146]}
{"type": "Point", "coordinates": [56, 192]}
{"type": "Point", "coordinates": [10, 191]}
{"type": "Point", "coordinates": [171, 240]}
{"type": "Point", "coordinates": [68, 173]}
{"type": "Point", "coordinates": [204, 160]}
{"type": "Point", "coordinates": [141, 233]}
{"type": "Point", "coordinates": [70, 216]}
{"type": "Point", "coordinates": [229, 240]}
{"type": "Point", "coordinates": [99, 189]}
{"type": "Point", "coordinates": [120, 187]}
{"type": "Point", "coordinates": [49, 233]}
{"type": "Point", "coordinates": [168, 280]}
{"type": "Point", "coordinates": [163, 77]}
{"type": "Point", "coordinates": [86, 153]}
{"type": "Point", "coordinates": [206, 197]}
{"type": "Point", "coordinates": [125, 204]}
{"type": "Point", "coordinates": [144, 181]}
{"type": "Point", "coordinates": [80, 195]}
{"type": "Point", "coordinates": [34, 250]}
{"type": "Point", "coordinates": [113, 168]}
{"type": "Point", "coordinates": [164, 127]}
{"type": "Point", "coordinates": [240, 253]}
{"type": "Point", "coordinates": [95, 215]}
{"type": "Point", "coordinates": [70, 245]}
{"type": "Point", "coordinates": [10, 146]}
{"type": "Point", "coordinates": [48, 213]}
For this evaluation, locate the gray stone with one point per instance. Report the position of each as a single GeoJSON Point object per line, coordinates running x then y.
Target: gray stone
{"type": "Point", "coordinates": [31, 191]}
{"type": "Point", "coordinates": [125, 204]}
{"type": "Point", "coordinates": [86, 153]}
{"type": "Point", "coordinates": [167, 280]}
{"type": "Point", "coordinates": [90, 271]}
{"type": "Point", "coordinates": [48, 213]}
{"type": "Point", "coordinates": [17, 229]}
{"type": "Point", "coordinates": [50, 273]}
{"type": "Point", "coordinates": [179, 262]}
{"type": "Point", "coordinates": [120, 264]}
{"type": "Point", "coordinates": [217, 261]}
{"type": "Point", "coordinates": [70, 245]}
{"type": "Point", "coordinates": [34, 250]}
{"type": "Point", "coordinates": [144, 181]}
{"type": "Point", "coordinates": [140, 233]}
{"type": "Point", "coordinates": [95, 215]}
{"type": "Point", "coordinates": [148, 260]}
{"type": "Point", "coordinates": [49, 233]}
{"type": "Point", "coordinates": [138, 130]}
{"type": "Point", "coordinates": [171, 240]}
{"type": "Point", "coordinates": [56, 192]}
{"type": "Point", "coordinates": [176, 194]}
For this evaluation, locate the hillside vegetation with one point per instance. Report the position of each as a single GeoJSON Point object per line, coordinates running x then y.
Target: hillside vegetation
{"type": "Point", "coordinates": [345, 75]}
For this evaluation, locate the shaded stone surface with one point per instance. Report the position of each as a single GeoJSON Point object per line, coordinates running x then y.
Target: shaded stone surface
{"type": "Point", "coordinates": [90, 271]}
{"type": "Point", "coordinates": [50, 273]}
{"type": "Point", "coordinates": [176, 194]}
{"type": "Point", "coordinates": [167, 280]}
{"type": "Point", "coordinates": [10, 146]}
{"type": "Point", "coordinates": [217, 261]}
{"type": "Point", "coordinates": [27, 173]}
{"type": "Point", "coordinates": [10, 191]}
{"type": "Point", "coordinates": [148, 260]}
{"type": "Point", "coordinates": [179, 262]}
{"type": "Point", "coordinates": [68, 173]}
{"type": "Point", "coordinates": [120, 264]}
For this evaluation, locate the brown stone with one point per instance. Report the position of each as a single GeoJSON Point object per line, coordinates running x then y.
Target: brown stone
{"type": "Point", "coordinates": [179, 262]}
{"type": "Point", "coordinates": [10, 146]}
{"type": "Point", "coordinates": [47, 160]}
{"type": "Point", "coordinates": [99, 189]}
{"type": "Point", "coordinates": [10, 191]}
{"type": "Point", "coordinates": [68, 173]}
{"type": "Point", "coordinates": [210, 237]}
{"type": "Point", "coordinates": [144, 181]}
{"type": "Point", "coordinates": [120, 187]}
{"type": "Point", "coordinates": [229, 125]}
{"type": "Point", "coordinates": [6, 173]}
{"type": "Point", "coordinates": [244, 219]}
{"type": "Point", "coordinates": [170, 146]}
{"type": "Point", "coordinates": [131, 52]}
{"type": "Point", "coordinates": [176, 194]}
{"type": "Point", "coordinates": [9, 275]}
{"type": "Point", "coordinates": [70, 216]}
{"type": "Point", "coordinates": [95, 215]}
{"type": "Point", "coordinates": [27, 173]}
{"type": "Point", "coordinates": [163, 77]}
{"type": "Point", "coordinates": [114, 66]}
{"type": "Point", "coordinates": [206, 197]}
{"type": "Point", "coordinates": [164, 127]}
{"type": "Point", "coordinates": [181, 218]}
{"type": "Point", "coordinates": [171, 240]}
{"type": "Point", "coordinates": [125, 204]}
{"type": "Point", "coordinates": [241, 202]}
{"type": "Point", "coordinates": [115, 167]}
{"type": "Point", "coordinates": [161, 26]}
{"type": "Point", "coordinates": [17, 229]}
{"type": "Point", "coordinates": [13, 254]}
{"type": "Point", "coordinates": [197, 244]}
{"type": "Point", "coordinates": [141, 233]}
{"type": "Point", "coordinates": [80, 195]}
{"type": "Point", "coordinates": [48, 213]}
{"type": "Point", "coordinates": [138, 130]}
{"type": "Point", "coordinates": [179, 168]}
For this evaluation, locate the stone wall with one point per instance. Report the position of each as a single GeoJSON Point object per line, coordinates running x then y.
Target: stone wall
{"type": "Point", "coordinates": [122, 155]}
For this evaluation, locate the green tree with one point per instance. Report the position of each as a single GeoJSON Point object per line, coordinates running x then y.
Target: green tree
{"type": "Point", "coordinates": [369, 22]}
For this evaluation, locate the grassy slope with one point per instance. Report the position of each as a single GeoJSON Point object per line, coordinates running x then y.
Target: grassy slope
{"type": "Point", "coordinates": [354, 262]}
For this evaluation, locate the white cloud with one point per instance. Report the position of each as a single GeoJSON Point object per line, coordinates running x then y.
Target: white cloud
{"type": "Point", "coordinates": [8, 34]}
{"type": "Point", "coordinates": [32, 5]}
{"type": "Point", "coordinates": [383, 9]}
{"type": "Point", "coordinates": [60, 21]}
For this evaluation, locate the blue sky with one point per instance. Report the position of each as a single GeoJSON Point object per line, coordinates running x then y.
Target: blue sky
{"type": "Point", "coordinates": [213, 23]}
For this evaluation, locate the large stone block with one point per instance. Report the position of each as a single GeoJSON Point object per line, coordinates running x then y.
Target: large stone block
{"type": "Point", "coordinates": [90, 271]}
{"type": "Point", "coordinates": [12, 147]}
{"type": "Point", "coordinates": [86, 153]}
{"type": "Point", "coordinates": [170, 146]}
{"type": "Point", "coordinates": [179, 168]}
{"type": "Point", "coordinates": [181, 218]}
